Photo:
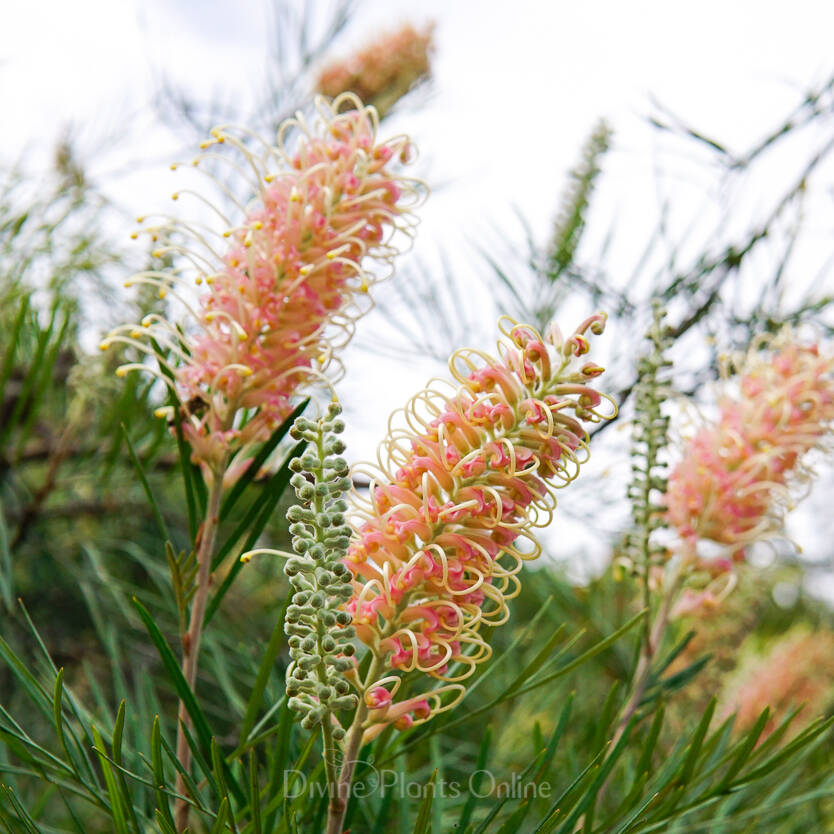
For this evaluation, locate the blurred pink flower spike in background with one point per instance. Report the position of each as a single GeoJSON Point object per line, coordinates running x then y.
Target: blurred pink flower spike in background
{"type": "Point", "coordinates": [740, 475]}
{"type": "Point", "coordinates": [383, 71]}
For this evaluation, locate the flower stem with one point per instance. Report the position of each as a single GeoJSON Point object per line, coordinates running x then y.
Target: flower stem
{"type": "Point", "coordinates": [653, 638]}
{"type": "Point", "coordinates": [191, 638]}
{"type": "Point", "coordinates": [644, 665]}
{"type": "Point", "coordinates": [353, 743]}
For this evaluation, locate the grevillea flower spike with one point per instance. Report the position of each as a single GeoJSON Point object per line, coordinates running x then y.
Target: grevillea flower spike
{"type": "Point", "coordinates": [795, 670]}
{"type": "Point", "coordinates": [737, 477]}
{"type": "Point", "coordinates": [467, 471]}
{"type": "Point", "coordinates": [284, 282]}
{"type": "Point", "coordinates": [384, 71]}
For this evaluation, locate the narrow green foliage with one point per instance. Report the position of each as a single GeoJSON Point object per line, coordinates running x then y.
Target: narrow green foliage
{"type": "Point", "coordinates": [184, 693]}
{"type": "Point", "coordinates": [538, 681]}
{"type": "Point", "coordinates": [274, 645]}
{"type": "Point", "coordinates": [259, 460]}
{"type": "Point", "coordinates": [222, 815]}
{"type": "Point", "coordinates": [423, 824]}
{"type": "Point", "coordinates": [480, 764]}
{"type": "Point", "coordinates": [254, 522]}
{"type": "Point", "coordinates": [162, 805]}
{"type": "Point", "coordinates": [143, 479]}
{"type": "Point", "coordinates": [695, 745]}
{"type": "Point", "coordinates": [645, 761]}
{"type": "Point", "coordinates": [6, 565]}
{"type": "Point", "coordinates": [254, 794]}
{"type": "Point", "coordinates": [116, 801]}
{"type": "Point", "coordinates": [12, 343]}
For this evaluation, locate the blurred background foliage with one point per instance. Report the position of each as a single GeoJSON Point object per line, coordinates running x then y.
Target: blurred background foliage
{"type": "Point", "coordinates": [86, 582]}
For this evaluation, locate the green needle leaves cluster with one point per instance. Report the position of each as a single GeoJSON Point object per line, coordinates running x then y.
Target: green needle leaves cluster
{"type": "Point", "coordinates": [319, 630]}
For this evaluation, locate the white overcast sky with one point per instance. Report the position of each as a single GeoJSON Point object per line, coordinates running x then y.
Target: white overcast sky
{"type": "Point", "coordinates": [518, 84]}
{"type": "Point", "coordinates": [517, 87]}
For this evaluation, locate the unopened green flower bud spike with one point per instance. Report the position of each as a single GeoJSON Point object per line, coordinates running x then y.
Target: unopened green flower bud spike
{"type": "Point", "coordinates": [317, 625]}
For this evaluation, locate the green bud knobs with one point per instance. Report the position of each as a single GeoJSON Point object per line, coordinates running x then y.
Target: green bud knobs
{"type": "Point", "coordinates": [318, 627]}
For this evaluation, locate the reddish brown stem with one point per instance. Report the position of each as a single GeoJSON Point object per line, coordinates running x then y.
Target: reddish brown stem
{"type": "Point", "coordinates": [191, 638]}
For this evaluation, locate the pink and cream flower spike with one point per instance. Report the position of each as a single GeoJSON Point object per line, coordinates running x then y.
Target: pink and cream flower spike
{"type": "Point", "coordinates": [736, 478]}
{"type": "Point", "coordinates": [285, 282]}
{"type": "Point", "coordinates": [384, 70]}
{"type": "Point", "coordinates": [795, 670]}
{"type": "Point", "coordinates": [466, 473]}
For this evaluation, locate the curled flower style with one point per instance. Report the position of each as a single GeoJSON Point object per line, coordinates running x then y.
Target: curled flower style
{"type": "Point", "coordinates": [286, 282]}
{"type": "Point", "coordinates": [384, 71]}
{"type": "Point", "coordinates": [448, 521]}
{"type": "Point", "coordinates": [734, 482]}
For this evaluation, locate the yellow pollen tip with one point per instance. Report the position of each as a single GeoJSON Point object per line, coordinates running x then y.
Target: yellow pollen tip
{"type": "Point", "coordinates": [103, 346]}
{"type": "Point", "coordinates": [227, 233]}
{"type": "Point", "coordinates": [257, 225]}
{"type": "Point", "coordinates": [247, 557]}
{"type": "Point", "coordinates": [175, 196]}
{"type": "Point", "coordinates": [198, 280]}
{"type": "Point", "coordinates": [146, 323]}
{"type": "Point", "coordinates": [196, 161]}
{"type": "Point", "coordinates": [363, 287]}
{"type": "Point", "coordinates": [134, 236]}
{"type": "Point", "coordinates": [140, 219]}
{"type": "Point", "coordinates": [135, 334]}
{"type": "Point", "coordinates": [128, 284]}
{"type": "Point", "coordinates": [162, 293]}
{"type": "Point", "coordinates": [306, 270]}
{"type": "Point", "coordinates": [161, 412]}
{"type": "Point", "coordinates": [157, 253]}
{"type": "Point", "coordinates": [321, 359]}
{"type": "Point", "coordinates": [173, 166]}
{"type": "Point", "coordinates": [121, 372]}
{"type": "Point", "coordinates": [247, 372]}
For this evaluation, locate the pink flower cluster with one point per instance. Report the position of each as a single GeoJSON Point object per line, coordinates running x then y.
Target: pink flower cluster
{"type": "Point", "coordinates": [382, 72]}
{"type": "Point", "coordinates": [448, 521]}
{"type": "Point", "coordinates": [796, 671]}
{"type": "Point", "coordinates": [732, 484]}
{"type": "Point", "coordinates": [288, 277]}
